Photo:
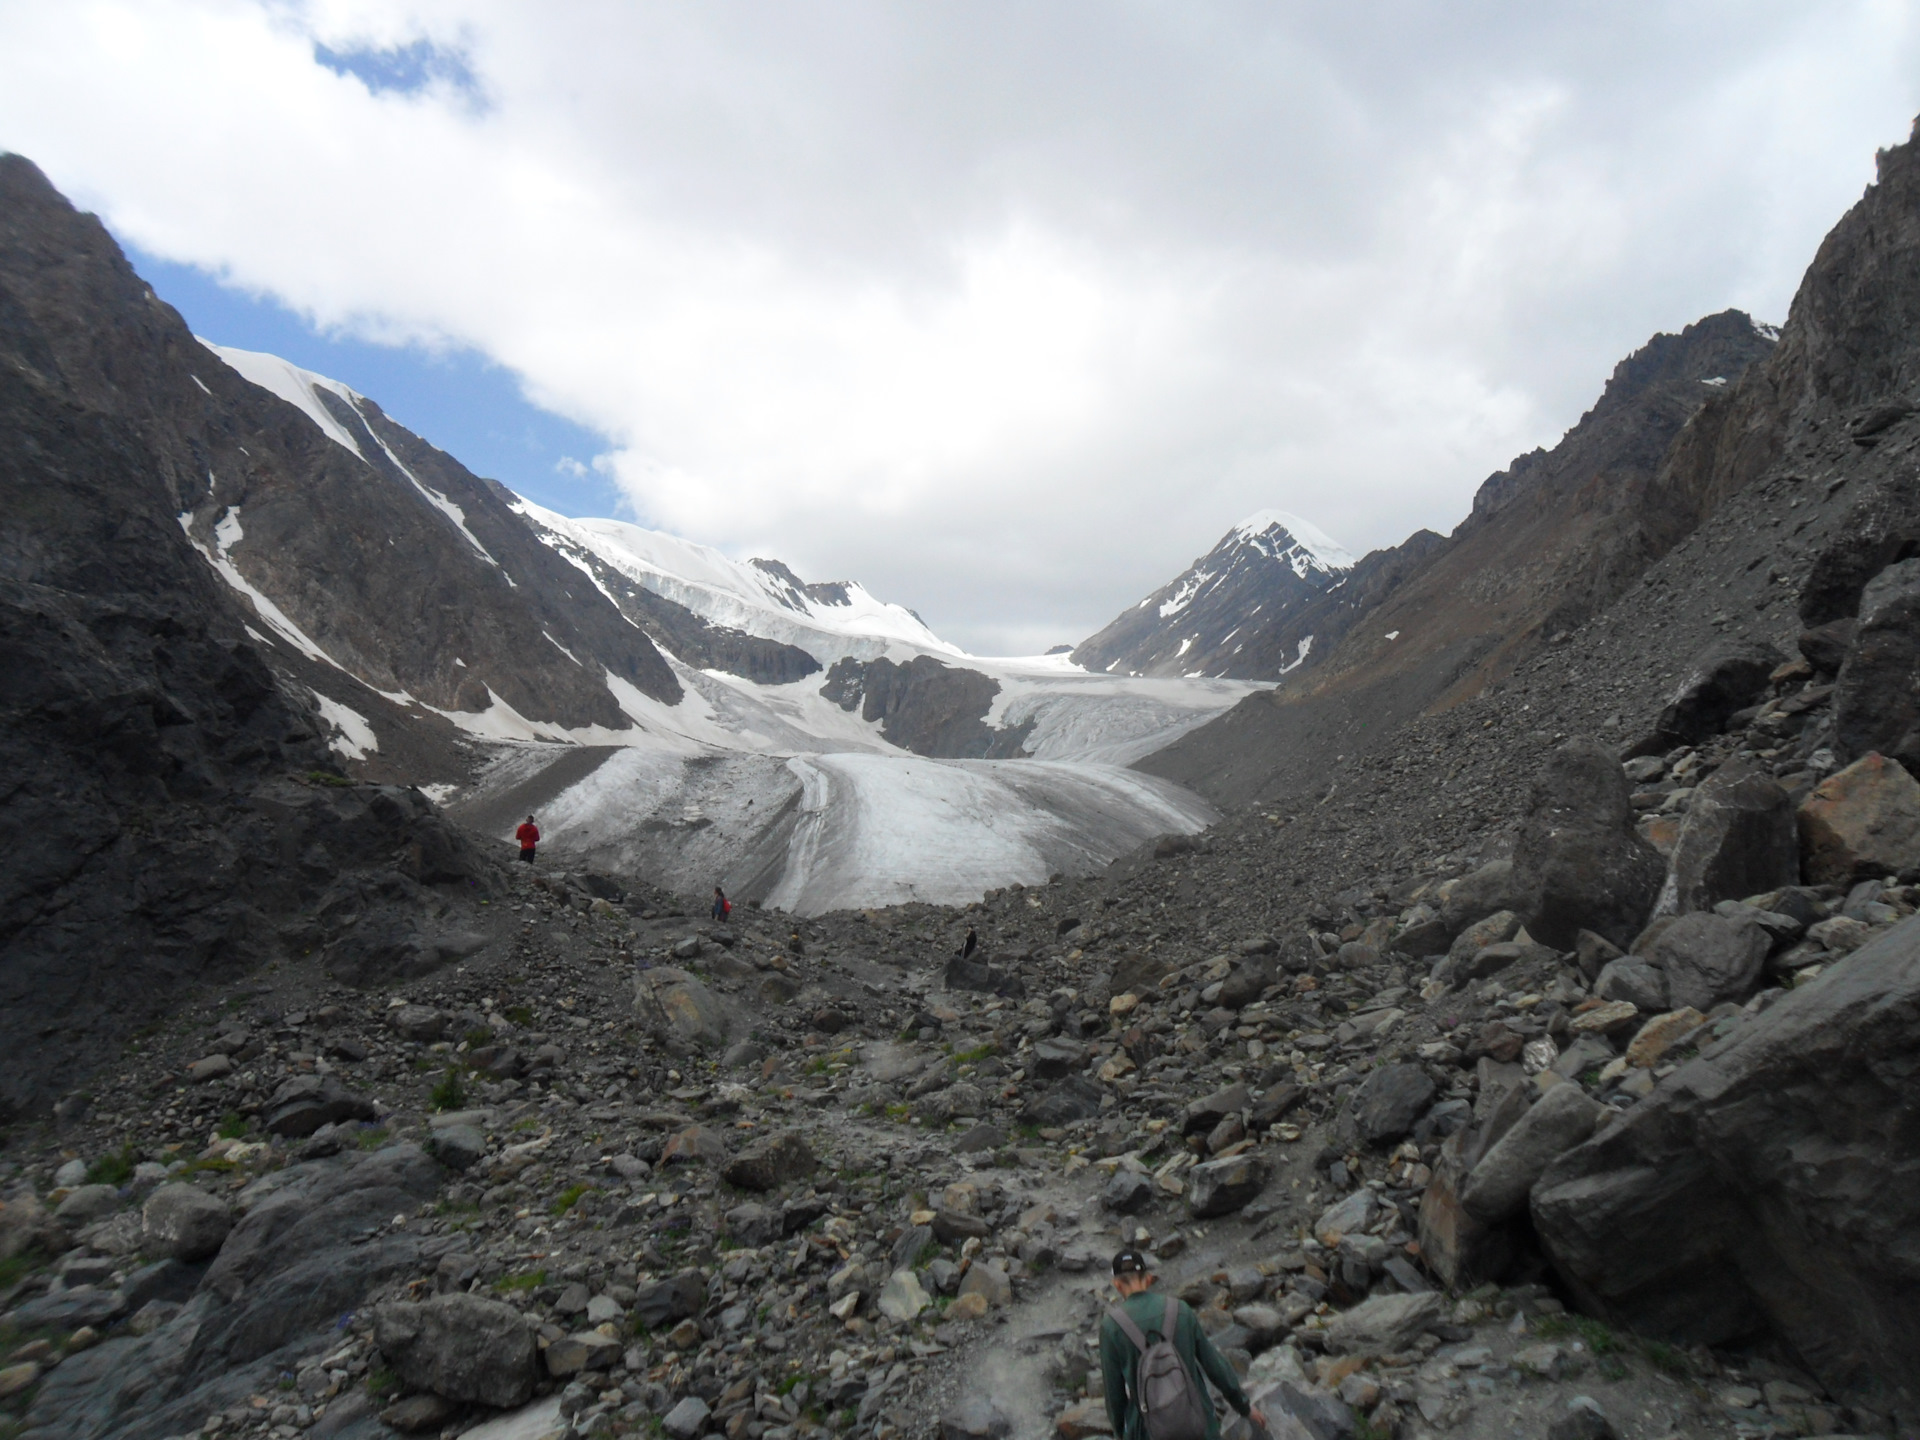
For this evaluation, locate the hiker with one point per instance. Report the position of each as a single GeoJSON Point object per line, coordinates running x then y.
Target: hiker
{"type": "Point", "coordinates": [969, 945]}
{"type": "Point", "coordinates": [722, 907]}
{"type": "Point", "coordinates": [1154, 1388]}
{"type": "Point", "coordinates": [529, 836]}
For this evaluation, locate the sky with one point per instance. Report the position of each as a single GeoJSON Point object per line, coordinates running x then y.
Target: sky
{"type": "Point", "coordinates": [1008, 311]}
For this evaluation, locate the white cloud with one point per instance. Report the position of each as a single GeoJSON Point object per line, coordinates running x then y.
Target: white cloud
{"type": "Point", "coordinates": [1007, 311]}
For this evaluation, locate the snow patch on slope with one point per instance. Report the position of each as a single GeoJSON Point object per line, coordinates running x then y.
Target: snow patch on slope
{"type": "Point", "coordinates": [1319, 547]}
{"type": "Point", "coordinates": [293, 385]}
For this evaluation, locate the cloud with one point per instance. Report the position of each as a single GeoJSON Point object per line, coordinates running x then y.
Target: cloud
{"type": "Point", "coordinates": [1007, 311]}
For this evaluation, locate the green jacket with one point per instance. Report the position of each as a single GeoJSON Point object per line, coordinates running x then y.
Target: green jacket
{"type": "Point", "coordinates": [1119, 1362]}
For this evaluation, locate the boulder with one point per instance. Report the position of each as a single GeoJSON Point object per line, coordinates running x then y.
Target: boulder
{"type": "Point", "coordinates": [1496, 1189]}
{"type": "Point", "coordinates": [1739, 838]}
{"type": "Point", "coordinates": [1593, 952]}
{"type": "Point", "coordinates": [754, 1225]}
{"type": "Point", "coordinates": [1633, 981]}
{"type": "Point", "coordinates": [306, 1102]}
{"type": "Point", "coordinates": [1578, 861]}
{"type": "Point", "coordinates": [769, 1163]}
{"type": "Point", "coordinates": [463, 1347]}
{"type": "Point", "coordinates": [660, 1304]}
{"type": "Point", "coordinates": [695, 1145]}
{"type": "Point", "coordinates": [1127, 1193]}
{"type": "Point", "coordinates": [1751, 1190]}
{"type": "Point", "coordinates": [989, 1282]}
{"type": "Point", "coordinates": [1876, 699]}
{"type": "Point", "coordinates": [418, 1022]}
{"type": "Point", "coordinates": [1728, 675]}
{"type": "Point", "coordinates": [1707, 959]}
{"type": "Point", "coordinates": [1476, 895]}
{"type": "Point", "coordinates": [1245, 985]}
{"type": "Point", "coordinates": [581, 1351]}
{"type": "Point", "coordinates": [1221, 1187]}
{"type": "Point", "coordinates": [458, 1147]}
{"type": "Point", "coordinates": [1057, 1056]}
{"type": "Point", "coordinates": [1385, 1324]}
{"type": "Point", "coordinates": [975, 1416]}
{"type": "Point", "coordinates": [902, 1297]}
{"type": "Point", "coordinates": [87, 1204]}
{"type": "Point", "coordinates": [1861, 823]}
{"type": "Point", "coordinates": [689, 1007]}
{"type": "Point", "coordinates": [1388, 1103]}
{"type": "Point", "coordinates": [1492, 929]}
{"type": "Point", "coordinates": [180, 1222]}
{"type": "Point", "coordinates": [1068, 1100]}
{"type": "Point", "coordinates": [1463, 1250]}
{"type": "Point", "coordinates": [1345, 1217]}
{"type": "Point", "coordinates": [1825, 647]}
{"type": "Point", "coordinates": [1208, 1111]}
{"type": "Point", "coordinates": [686, 1419]}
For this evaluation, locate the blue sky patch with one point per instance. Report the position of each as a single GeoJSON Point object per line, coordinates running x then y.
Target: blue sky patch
{"type": "Point", "coordinates": [401, 69]}
{"type": "Point", "coordinates": [458, 399]}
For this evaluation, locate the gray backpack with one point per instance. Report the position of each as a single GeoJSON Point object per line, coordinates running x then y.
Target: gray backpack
{"type": "Point", "coordinates": [1171, 1407]}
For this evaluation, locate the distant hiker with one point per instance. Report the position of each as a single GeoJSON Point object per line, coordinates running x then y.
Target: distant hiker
{"type": "Point", "coordinates": [969, 945]}
{"type": "Point", "coordinates": [529, 836]}
{"type": "Point", "coordinates": [722, 907]}
{"type": "Point", "coordinates": [1153, 1356]}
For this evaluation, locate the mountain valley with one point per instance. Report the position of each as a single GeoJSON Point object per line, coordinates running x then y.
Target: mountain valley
{"type": "Point", "coordinates": [1482, 972]}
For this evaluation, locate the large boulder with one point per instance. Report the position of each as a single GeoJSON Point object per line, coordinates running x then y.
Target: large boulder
{"type": "Point", "coordinates": [1477, 894]}
{"type": "Point", "coordinates": [1068, 1100]}
{"type": "Point", "coordinates": [1388, 1102]}
{"type": "Point", "coordinates": [680, 1000]}
{"type": "Point", "coordinates": [306, 1102]}
{"type": "Point", "coordinates": [1826, 646]}
{"type": "Point", "coordinates": [1578, 859]}
{"type": "Point", "coordinates": [1761, 1186]}
{"type": "Point", "coordinates": [180, 1222]}
{"type": "Point", "coordinates": [1861, 823]}
{"type": "Point", "coordinates": [1496, 1189]}
{"type": "Point", "coordinates": [1876, 699]}
{"type": "Point", "coordinates": [464, 1347]}
{"type": "Point", "coordinates": [1385, 1324]}
{"type": "Point", "coordinates": [1221, 1187]}
{"type": "Point", "coordinates": [769, 1163]}
{"type": "Point", "coordinates": [1728, 675]}
{"type": "Point", "coordinates": [1709, 958]}
{"type": "Point", "coordinates": [1739, 839]}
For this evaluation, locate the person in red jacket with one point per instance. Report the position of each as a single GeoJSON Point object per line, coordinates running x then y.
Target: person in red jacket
{"type": "Point", "coordinates": [529, 836]}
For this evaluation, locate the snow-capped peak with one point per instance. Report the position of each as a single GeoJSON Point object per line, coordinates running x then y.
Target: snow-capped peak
{"type": "Point", "coordinates": [1318, 546]}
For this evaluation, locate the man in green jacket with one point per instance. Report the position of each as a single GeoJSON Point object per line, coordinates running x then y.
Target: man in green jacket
{"type": "Point", "coordinates": [1119, 1360]}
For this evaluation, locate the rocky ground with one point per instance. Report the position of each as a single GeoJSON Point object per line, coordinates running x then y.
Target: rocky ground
{"type": "Point", "coordinates": [628, 1170]}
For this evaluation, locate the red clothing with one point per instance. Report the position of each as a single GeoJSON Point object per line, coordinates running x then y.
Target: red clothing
{"type": "Point", "coordinates": [528, 835]}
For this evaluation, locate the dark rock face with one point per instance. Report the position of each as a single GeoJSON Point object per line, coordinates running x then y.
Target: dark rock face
{"type": "Point", "coordinates": [1740, 838]}
{"type": "Point", "coordinates": [305, 1103]}
{"type": "Point", "coordinates": [1724, 678]}
{"type": "Point", "coordinates": [1068, 1100]}
{"type": "Point", "coordinates": [926, 706]}
{"type": "Point", "coordinates": [1876, 700]}
{"type": "Point", "coordinates": [1709, 958]}
{"type": "Point", "coordinates": [1826, 647]}
{"type": "Point", "coordinates": [1578, 860]}
{"type": "Point", "coordinates": [1388, 1103]}
{"type": "Point", "coordinates": [769, 1163]}
{"type": "Point", "coordinates": [1750, 1190]}
{"type": "Point", "coordinates": [150, 741]}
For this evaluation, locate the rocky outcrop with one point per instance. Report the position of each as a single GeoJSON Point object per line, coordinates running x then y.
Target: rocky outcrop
{"type": "Point", "coordinates": [1876, 698]}
{"type": "Point", "coordinates": [1749, 1191]}
{"type": "Point", "coordinates": [1726, 677]}
{"type": "Point", "coordinates": [1739, 838]}
{"type": "Point", "coordinates": [926, 706]}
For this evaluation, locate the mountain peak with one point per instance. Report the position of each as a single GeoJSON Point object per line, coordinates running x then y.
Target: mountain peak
{"type": "Point", "coordinates": [1303, 542]}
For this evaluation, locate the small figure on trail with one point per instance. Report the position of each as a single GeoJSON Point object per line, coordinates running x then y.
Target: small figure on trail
{"type": "Point", "coordinates": [969, 945]}
{"type": "Point", "coordinates": [722, 907]}
{"type": "Point", "coordinates": [529, 836]}
{"type": "Point", "coordinates": [1154, 1386]}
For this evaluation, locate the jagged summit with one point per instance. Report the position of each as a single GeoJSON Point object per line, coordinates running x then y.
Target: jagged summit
{"type": "Point", "coordinates": [1219, 617]}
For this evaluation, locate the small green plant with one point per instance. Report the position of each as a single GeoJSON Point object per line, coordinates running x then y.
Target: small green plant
{"type": "Point", "coordinates": [1365, 1429]}
{"type": "Point", "coordinates": [382, 1383]}
{"type": "Point", "coordinates": [978, 1052]}
{"type": "Point", "coordinates": [233, 1125]}
{"type": "Point", "coordinates": [327, 777]}
{"type": "Point", "coordinates": [520, 1015]}
{"type": "Point", "coordinates": [1668, 1358]}
{"type": "Point", "coordinates": [1593, 1333]}
{"type": "Point", "coordinates": [450, 1093]}
{"type": "Point", "coordinates": [1029, 1132]}
{"type": "Point", "coordinates": [899, 1112]}
{"type": "Point", "coordinates": [569, 1198]}
{"type": "Point", "coordinates": [373, 1138]}
{"type": "Point", "coordinates": [478, 1036]}
{"type": "Point", "coordinates": [526, 1280]}
{"type": "Point", "coordinates": [113, 1169]}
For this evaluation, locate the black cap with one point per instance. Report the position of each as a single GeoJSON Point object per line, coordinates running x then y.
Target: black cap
{"type": "Point", "coordinates": [1131, 1262]}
